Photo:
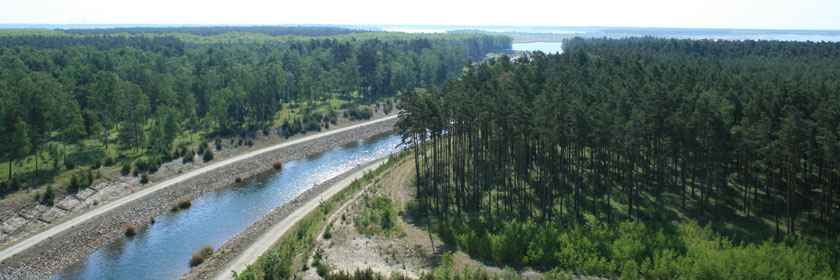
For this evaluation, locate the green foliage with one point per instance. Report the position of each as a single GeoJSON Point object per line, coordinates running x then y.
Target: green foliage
{"type": "Point", "coordinates": [631, 250]}
{"type": "Point", "coordinates": [381, 217]}
{"type": "Point", "coordinates": [144, 177]}
{"type": "Point", "coordinates": [125, 168]}
{"type": "Point", "coordinates": [208, 155]}
{"type": "Point", "coordinates": [359, 113]}
{"type": "Point", "coordinates": [278, 261]}
{"type": "Point", "coordinates": [49, 196]}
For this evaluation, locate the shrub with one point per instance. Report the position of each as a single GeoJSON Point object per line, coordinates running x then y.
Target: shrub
{"type": "Point", "coordinates": [332, 117]}
{"type": "Point", "coordinates": [208, 155]}
{"type": "Point", "coordinates": [290, 128]}
{"type": "Point", "coordinates": [109, 161]}
{"type": "Point", "coordinates": [96, 164]}
{"type": "Point", "coordinates": [188, 156]}
{"type": "Point", "coordinates": [327, 232]}
{"type": "Point", "coordinates": [312, 122]}
{"type": "Point", "coordinates": [154, 164]}
{"type": "Point", "coordinates": [277, 165]}
{"type": "Point", "coordinates": [141, 164]}
{"type": "Point", "coordinates": [202, 254]}
{"type": "Point", "coordinates": [130, 230]}
{"type": "Point", "coordinates": [202, 147]}
{"type": "Point", "coordinates": [218, 143]}
{"type": "Point", "coordinates": [323, 269]}
{"type": "Point", "coordinates": [359, 113]}
{"type": "Point", "coordinates": [126, 168]}
{"type": "Point", "coordinates": [68, 164]}
{"type": "Point", "coordinates": [49, 196]}
{"type": "Point", "coordinates": [184, 204]}
{"type": "Point", "coordinates": [237, 179]}
{"type": "Point", "coordinates": [249, 142]}
{"type": "Point", "coordinates": [144, 178]}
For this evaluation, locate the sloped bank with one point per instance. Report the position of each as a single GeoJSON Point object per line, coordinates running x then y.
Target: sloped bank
{"type": "Point", "coordinates": [58, 252]}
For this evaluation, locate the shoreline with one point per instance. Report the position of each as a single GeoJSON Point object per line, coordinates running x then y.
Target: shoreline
{"type": "Point", "coordinates": [72, 244]}
{"type": "Point", "coordinates": [247, 246]}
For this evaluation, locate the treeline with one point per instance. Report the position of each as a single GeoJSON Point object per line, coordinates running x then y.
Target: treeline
{"type": "Point", "coordinates": [310, 31]}
{"type": "Point", "coordinates": [555, 160]}
{"type": "Point", "coordinates": [632, 129]}
{"type": "Point", "coordinates": [61, 92]}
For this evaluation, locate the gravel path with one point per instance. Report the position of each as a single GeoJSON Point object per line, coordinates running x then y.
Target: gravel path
{"type": "Point", "coordinates": [71, 241]}
{"type": "Point", "coordinates": [249, 245]}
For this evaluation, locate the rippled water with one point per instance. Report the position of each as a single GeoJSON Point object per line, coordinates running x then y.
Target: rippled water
{"type": "Point", "coordinates": [163, 250]}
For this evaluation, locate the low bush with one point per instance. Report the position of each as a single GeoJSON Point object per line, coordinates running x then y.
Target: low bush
{"type": "Point", "coordinates": [277, 165]}
{"type": "Point", "coordinates": [359, 113]}
{"type": "Point", "coordinates": [184, 204]}
{"type": "Point", "coordinates": [142, 164]}
{"type": "Point", "coordinates": [126, 168]}
{"type": "Point", "coordinates": [381, 217]}
{"type": "Point", "coordinates": [328, 232]}
{"type": "Point", "coordinates": [291, 127]}
{"type": "Point", "coordinates": [130, 230]}
{"type": "Point", "coordinates": [69, 164]}
{"type": "Point", "coordinates": [188, 156]}
{"type": "Point", "coordinates": [144, 178]}
{"type": "Point", "coordinates": [49, 196]}
{"type": "Point", "coordinates": [312, 122]}
{"type": "Point", "coordinates": [218, 143]}
{"type": "Point", "coordinates": [208, 155]}
{"type": "Point", "coordinates": [202, 254]}
{"type": "Point", "coordinates": [237, 179]}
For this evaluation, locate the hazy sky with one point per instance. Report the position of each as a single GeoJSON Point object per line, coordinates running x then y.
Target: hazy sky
{"type": "Point", "coordinates": [781, 14]}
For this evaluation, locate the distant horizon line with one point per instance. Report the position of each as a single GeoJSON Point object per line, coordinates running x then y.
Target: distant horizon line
{"type": "Point", "coordinates": [120, 25]}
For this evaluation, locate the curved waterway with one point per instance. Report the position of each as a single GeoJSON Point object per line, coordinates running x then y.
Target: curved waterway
{"type": "Point", "coordinates": [163, 250]}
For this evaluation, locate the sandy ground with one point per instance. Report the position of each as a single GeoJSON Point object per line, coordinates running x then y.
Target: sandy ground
{"type": "Point", "coordinates": [408, 250]}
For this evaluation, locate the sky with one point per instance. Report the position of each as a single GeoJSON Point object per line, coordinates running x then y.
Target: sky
{"type": "Point", "coordinates": [760, 14]}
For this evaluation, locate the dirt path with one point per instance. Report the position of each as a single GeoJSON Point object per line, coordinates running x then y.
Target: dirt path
{"type": "Point", "coordinates": [267, 239]}
{"type": "Point", "coordinates": [55, 230]}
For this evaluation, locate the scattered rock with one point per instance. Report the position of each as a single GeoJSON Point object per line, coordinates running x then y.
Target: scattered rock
{"type": "Point", "coordinates": [85, 193]}
{"type": "Point", "coordinates": [32, 212]}
{"type": "Point", "coordinates": [52, 215]}
{"type": "Point", "coordinates": [12, 224]}
{"type": "Point", "coordinates": [68, 203]}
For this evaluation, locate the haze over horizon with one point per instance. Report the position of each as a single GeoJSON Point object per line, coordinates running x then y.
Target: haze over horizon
{"type": "Point", "coordinates": [748, 14]}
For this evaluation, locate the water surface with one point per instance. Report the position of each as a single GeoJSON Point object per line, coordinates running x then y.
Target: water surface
{"type": "Point", "coordinates": [163, 250]}
{"type": "Point", "coordinates": [546, 47]}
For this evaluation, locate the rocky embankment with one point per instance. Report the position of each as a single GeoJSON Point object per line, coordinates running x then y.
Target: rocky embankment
{"type": "Point", "coordinates": [60, 251]}
{"type": "Point", "coordinates": [234, 246]}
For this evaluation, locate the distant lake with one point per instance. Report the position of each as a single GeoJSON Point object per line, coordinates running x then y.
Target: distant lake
{"type": "Point", "coordinates": [546, 47]}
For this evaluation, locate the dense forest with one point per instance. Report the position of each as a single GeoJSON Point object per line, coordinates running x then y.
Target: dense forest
{"type": "Point", "coordinates": [104, 97]}
{"type": "Point", "coordinates": [608, 159]}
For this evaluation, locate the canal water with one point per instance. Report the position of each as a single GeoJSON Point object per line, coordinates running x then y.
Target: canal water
{"type": "Point", "coordinates": [163, 250]}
